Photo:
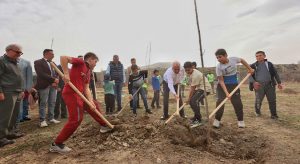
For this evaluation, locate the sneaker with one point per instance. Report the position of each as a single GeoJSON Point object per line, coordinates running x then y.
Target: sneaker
{"type": "Point", "coordinates": [59, 148]}
{"type": "Point", "coordinates": [241, 124]}
{"type": "Point", "coordinates": [196, 123]}
{"type": "Point", "coordinates": [274, 117]}
{"type": "Point", "coordinates": [54, 121]}
{"type": "Point", "coordinates": [105, 129]}
{"type": "Point", "coordinates": [216, 123]}
{"type": "Point", "coordinates": [149, 111]}
{"type": "Point", "coordinates": [43, 124]}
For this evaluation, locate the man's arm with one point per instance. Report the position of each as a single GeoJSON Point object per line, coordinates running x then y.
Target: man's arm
{"type": "Point", "coordinates": [221, 82]}
{"type": "Point", "coordinates": [124, 77]}
{"type": "Point", "coordinates": [250, 70]}
{"type": "Point", "coordinates": [88, 95]}
{"type": "Point", "coordinates": [64, 60]}
{"type": "Point", "coordinates": [107, 70]}
{"type": "Point", "coordinates": [29, 77]}
{"type": "Point", "coordinates": [171, 85]}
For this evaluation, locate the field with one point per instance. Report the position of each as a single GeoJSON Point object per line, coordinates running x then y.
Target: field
{"type": "Point", "coordinates": [146, 139]}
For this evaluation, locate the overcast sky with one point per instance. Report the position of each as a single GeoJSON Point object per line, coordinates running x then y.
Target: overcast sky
{"type": "Point", "coordinates": [126, 27]}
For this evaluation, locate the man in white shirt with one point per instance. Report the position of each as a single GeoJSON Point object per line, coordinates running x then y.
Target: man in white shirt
{"type": "Point", "coordinates": [171, 80]}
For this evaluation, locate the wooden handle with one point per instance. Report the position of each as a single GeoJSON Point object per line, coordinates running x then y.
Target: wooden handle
{"type": "Point", "coordinates": [223, 102]}
{"type": "Point", "coordinates": [82, 96]}
{"type": "Point", "coordinates": [174, 114]}
{"type": "Point", "coordinates": [177, 107]}
{"type": "Point", "coordinates": [128, 102]}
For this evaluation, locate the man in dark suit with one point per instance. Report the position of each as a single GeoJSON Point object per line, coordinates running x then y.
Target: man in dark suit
{"type": "Point", "coordinates": [46, 85]}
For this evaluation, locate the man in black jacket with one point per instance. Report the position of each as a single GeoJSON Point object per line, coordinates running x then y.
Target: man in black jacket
{"type": "Point", "coordinates": [264, 82]}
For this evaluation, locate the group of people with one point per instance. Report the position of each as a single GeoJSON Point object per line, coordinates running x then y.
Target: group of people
{"type": "Point", "coordinates": [55, 93]}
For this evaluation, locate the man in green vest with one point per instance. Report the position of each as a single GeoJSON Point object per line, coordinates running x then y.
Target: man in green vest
{"type": "Point", "coordinates": [211, 80]}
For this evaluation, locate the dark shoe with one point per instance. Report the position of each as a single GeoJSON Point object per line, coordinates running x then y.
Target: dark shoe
{"type": "Point", "coordinates": [15, 136]}
{"type": "Point", "coordinates": [274, 117]}
{"type": "Point", "coordinates": [152, 106]}
{"type": "Point", "coordinates": [26, 119]}
{"type": "Point", "coordinates": [22, 120]}
{"type": "Point", "coordinates": [5, 141]}
{"type": "Point", "coordinates": [158, 107]}
{"type": "Point", "coordinates": [164, 117]}
{"type": "Point", "coordinates": [149, 111]}
{"type": "Point", "coordinates": [139, 107]}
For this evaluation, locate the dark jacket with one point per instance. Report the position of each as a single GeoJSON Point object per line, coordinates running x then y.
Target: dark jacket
{"type": "Point", "coordinates": [273, 72]}
{"type": "Point", "coordinates": [10, 75]}
{"type": "Point", "coordinates": [43, 73]}
{"type": "Point", "coordinates": [116, 72]}
{"type": "Point", "coordinates": [142, 75]}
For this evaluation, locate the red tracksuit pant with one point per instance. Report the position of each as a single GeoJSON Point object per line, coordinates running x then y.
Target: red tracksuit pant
{"type": "Point", "coordinates": [75, 108]}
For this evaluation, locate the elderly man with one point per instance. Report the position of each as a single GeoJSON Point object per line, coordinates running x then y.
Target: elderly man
{"type": "Point", "coordinates": [46, 85]}
{"type": "Point", "coordinates": [10, 93]}
{"type": "Point", "coordinates": [117, 73]}
{"type": "Point", "coordinates": [171, 80]}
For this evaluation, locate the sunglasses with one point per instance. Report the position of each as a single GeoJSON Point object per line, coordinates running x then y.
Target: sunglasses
{"type": "Point", "coordinates": [18, 52]}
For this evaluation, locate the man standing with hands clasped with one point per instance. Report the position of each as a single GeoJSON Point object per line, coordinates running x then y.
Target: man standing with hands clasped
{"type": "Point", "coordinates": [264, 81]}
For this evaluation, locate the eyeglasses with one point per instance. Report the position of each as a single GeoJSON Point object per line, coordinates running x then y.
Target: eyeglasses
{"type": "Point", "coordinates": [18, 52]}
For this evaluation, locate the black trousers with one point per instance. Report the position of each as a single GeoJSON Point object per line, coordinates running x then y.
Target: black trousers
{"type": "Point", "coordinates": [197, 97]}
{"type": "Point", "coordinates": [109, 102]}
{"type": "Point", "coordinates": [60, 108]}
{"type": "Point", "coordinates": [268, 90]}
{"type": "Point", "coordinates": [166, 100]}
{"type": "Point", "coordinates": [235, 100]}
{"type": "Point", "coordinates": [155, 99]}
{"type": "Point", "coordinates": [138, 100]}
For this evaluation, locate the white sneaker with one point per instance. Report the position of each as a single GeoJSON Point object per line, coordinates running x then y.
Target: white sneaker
{"type": "Point", "coordinates": [43, 124]}
{"type": "Point", "coordinates": [62, 149]}
{"type": "Point", "coordinates": [105, 129]}
{"type": "Point", "coordinates": [54, 121]}
{"type": "Point", "coordinates": [216, 123]}
{"type": "Point", "coordinates": [241, 124]}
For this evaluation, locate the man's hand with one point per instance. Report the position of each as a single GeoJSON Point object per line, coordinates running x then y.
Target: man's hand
{"type": "Point", "coordinates": [280, 86]}
{"type": "Point", "coordinates": [228, 96]}
{"type": "Point", "coordinates": [187, 101]}
{"type": "Point", "coordinates": [124, 84]}
{"type": "Point", "coordinates": [66, 78]}
{"type": "Point", "coordinates": [93, 104]}
{"type": "Point", "coordinates": [256, 85]}
{"type": "Point", "coordinates": [2, 97]}
{"type": "Point", "coordinates": [130, 97]}
{"type": "Point", "coordinates": [176, 97]}
{"type": "Point", "coordinates": [56, 81]}
{"type": "Point", "coordinates": [58, 89]}
{"type": "Point", "coordinates": [251, 71]}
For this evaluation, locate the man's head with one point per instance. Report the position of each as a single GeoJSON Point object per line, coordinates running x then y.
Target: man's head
{"type": "Point", "coordinates": [115, 58]}
{"type": "Point", "coordinates": [221, 55]}
{"type": "Point", "coordinates": [80, 56]}
{"type": "Point", "coordinates": [134, 68]}
{"type": "Point", "coordinates": [188, 67]}
{"type": "Point", "coordinates": [156, 72]}
{"type": "Point", "coordinates": [176, 67]}
{"type": "Point", "coordinates": [133, 61]}
{"type": "Point", "coordinates": [14, 51]}
{"type": "Point", "coordinates": [194, 65]}
{"type": "Point", "coordinates": [48, 54]}
{"type": "Point", "coordinates": [91, 59]}
{"type": "Point", "coordinates": [260, 56]}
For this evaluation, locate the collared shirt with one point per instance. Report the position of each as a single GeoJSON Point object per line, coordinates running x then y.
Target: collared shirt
{"type": "Point", "coordinates": [172, 79]}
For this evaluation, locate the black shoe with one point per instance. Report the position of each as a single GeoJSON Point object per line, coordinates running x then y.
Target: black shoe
{"type": "Point", "coordinates": [26, 119]}
{"type": "Point", "coordinates": [164, 117]}
{"type": "Point", "coordinates": [5, 141]}
{"type": "Point", "coordinates": [149, 111]}
{"type": "Point", "coordinates": [15, 136]}
{"type": "Point", "coordinates": [274, 117]}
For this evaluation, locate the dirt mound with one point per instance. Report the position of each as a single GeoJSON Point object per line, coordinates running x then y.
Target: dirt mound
{"type": "Point", "coordinates": [141, 134]}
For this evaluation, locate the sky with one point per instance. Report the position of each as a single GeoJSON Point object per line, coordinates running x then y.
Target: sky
{"type": "Point", "coordinates": [128, 27]}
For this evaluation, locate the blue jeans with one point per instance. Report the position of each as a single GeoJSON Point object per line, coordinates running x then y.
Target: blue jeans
{"type": "Point", "coordinates": [47, 97]}
{"type": "Point", "coordinates": [24, 106]}
{"type": "Point", "coordinates": [118, 94]}
{"type": "Point", "coordinates": [135, 98]}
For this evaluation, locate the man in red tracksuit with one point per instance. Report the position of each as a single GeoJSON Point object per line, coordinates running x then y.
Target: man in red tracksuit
{"type": "Point", "coordinates": [79, 75]}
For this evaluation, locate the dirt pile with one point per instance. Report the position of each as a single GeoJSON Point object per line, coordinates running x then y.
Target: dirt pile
{"type": "Point", "coordinates": [141, 134]}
